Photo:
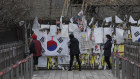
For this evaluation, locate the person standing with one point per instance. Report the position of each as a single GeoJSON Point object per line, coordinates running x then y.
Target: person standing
{"type": "Point", "coordinates": [107, 50]}
{"type": "Point", "coordinates": [74, 51]}
{"type": "Point", "coordinates": [36, 49]}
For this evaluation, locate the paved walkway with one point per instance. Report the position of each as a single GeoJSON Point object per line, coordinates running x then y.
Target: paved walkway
{"type": "Point", "coordinates": [75, 74]}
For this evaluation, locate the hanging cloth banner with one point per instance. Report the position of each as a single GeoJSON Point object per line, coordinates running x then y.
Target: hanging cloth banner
{"type": "Point", "coordinates": [107, 31]}
{"type": "Point", "coordinates": [64, 31]}
{"type": "Point", "coordinates": [118, 20]}
{"type": "Point", "coordinates": [73, 27]}
{"type": "Point", "coordinates": [135, 31]}
{"type": "Point", "coordinates": [52, 45]}
{"type": "Point", "coordinates": [42, 37]}
{"type": "Point", "coordinates": [56, 46]}
{"type": "Point", "coordinates": [119, 36]}
{"type": "Point", "coordinates": [98, 34]}
{"type": "Point", "coordinates": [53, 30]}
{"type": "Point", "coordinates": [44, 26]}
{"type": "Point", "coordinates": [63, 59]}
{"type": "Point", "coordinates": [42, 61]}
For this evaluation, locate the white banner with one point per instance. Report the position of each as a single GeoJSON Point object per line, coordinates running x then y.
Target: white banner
{"type": "Point", "coordinates": [107, 31]}
{"type": "Point", "coordinates": [64, 31]}
{"type": "Point", "coordinates": [52, 45]}
{"type": "Point", "coordinates": [119, 36]}
{"type": "Point", "coordinates": [73, 27]}
{"type": "Point", "coordinates": [56, 46]}
{"type": "Point", "coordinates": [42, 61]}
{"type": "Point", "coordinates": [53, 30]}
{"type": "Point", "coordinates": [108, 19]}
{"type": "Point", "coordinates": [45, 26]}
{"type": "Point", "coordinates": [135, 31]}
{"type": "Point", "coordinates": [98, 34]}
{"type": "Point", "coordinates": [36, 25]}
{"type": "Point", "coordinates": [63, 59]}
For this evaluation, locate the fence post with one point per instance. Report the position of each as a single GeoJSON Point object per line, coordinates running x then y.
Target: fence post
{"type": "Point", "coordinates": [113, 69]}
{"type": "Point", "coordinates": [123, 69]}
{"type": "Point", "coordinates": [31, 66]}
{"type": "Point", "coordinates": [11, 74]}
{"type": "Point", "coordinates": [117, 68]}
{"type": "Point", "coordinates": [17, 72]}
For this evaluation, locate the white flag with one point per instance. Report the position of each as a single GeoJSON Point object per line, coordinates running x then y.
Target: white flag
{"type": "Point", "coordinates": [135, 31]}
{"type": "Point", "coordinates": [80, 13]}
{"type": "Point", "coordinates": [84, 22]}
{"type": "Point", "coordinates": [61, 21]}
{"type": "Point", "coordinates": [108, 19]}
{"type": "Point", "coordinates": [91, 21]}
{"type": "Point", "coordinates": [36, 25]}
{"type": "Point", "coordinates": [118, 20]}
{"type": "Point", "coordinates": [131, 20]}
{"type": "Point", "coordinates": [71, 20]}
{"type": "Point", "coordinates": [139, 22]}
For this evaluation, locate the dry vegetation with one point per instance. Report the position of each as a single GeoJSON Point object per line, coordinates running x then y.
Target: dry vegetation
{"type": "Point", "coordinates": [12, 11]}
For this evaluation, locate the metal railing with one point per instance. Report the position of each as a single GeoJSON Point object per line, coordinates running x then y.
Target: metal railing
{"type": "Point", "coordinates": [127, 66]}
{"type": "Point", "coordinates": [10, 54]}
{"type": "Point", "coordinates": [21, 70]}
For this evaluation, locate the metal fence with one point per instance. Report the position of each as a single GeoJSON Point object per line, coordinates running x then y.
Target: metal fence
{"type": "Point", "coordinates": [127, 66]}
{"type": "Point", "coordinates": [11, 53]}
{"type": "Point", "coordinates": [21, 70]}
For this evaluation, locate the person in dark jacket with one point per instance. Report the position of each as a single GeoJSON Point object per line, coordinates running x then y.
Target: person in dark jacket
{"type": "Point", "coordinates": [74, 51]}
{"type": "Point", "coordinates": [36, 49]}
{"type": "Point", "coordinates": [107, 50]}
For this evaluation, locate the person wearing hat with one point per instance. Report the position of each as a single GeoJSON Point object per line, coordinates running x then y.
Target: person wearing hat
{"type": "Point", "coordinates": [35, 49]}
{"type": "Point", "coordinates": [74, 51]}
{"type": "Point", "coordinates": [107, 50]}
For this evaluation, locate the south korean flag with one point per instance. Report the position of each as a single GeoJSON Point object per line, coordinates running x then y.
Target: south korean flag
{"type": "Point", "coordinates": [135, 31]}
{"type": "Point", "coordinates": [57, 45]}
